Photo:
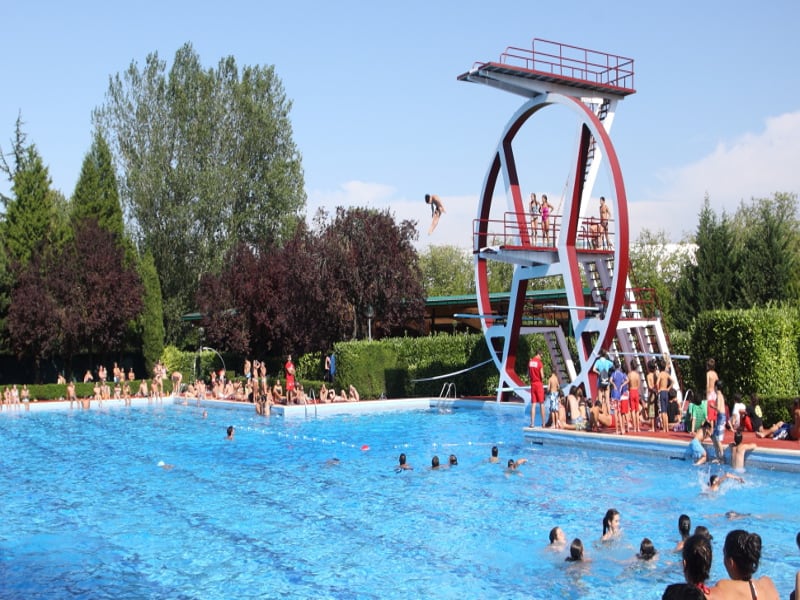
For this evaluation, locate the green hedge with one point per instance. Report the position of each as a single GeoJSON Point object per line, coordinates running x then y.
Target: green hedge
{"type": "Point", "coordinates": [391, 366]}
{"type": "Point", "coordinates": [755, 350]}
{"type": "Point", "coordinates": [56, 391]}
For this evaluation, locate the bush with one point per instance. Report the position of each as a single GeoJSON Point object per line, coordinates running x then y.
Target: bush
{"type": "Point", "coordinates": [58, 391]}
{"type": "Point", "coordinates": [755, 350]}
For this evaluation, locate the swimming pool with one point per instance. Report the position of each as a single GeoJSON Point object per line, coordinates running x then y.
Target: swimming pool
{"type": "Point", "coordinates": [87, 513]}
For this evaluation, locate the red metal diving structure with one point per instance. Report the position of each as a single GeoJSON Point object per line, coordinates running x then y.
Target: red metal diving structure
{"type": "Point", "coordinates": [603, 310]}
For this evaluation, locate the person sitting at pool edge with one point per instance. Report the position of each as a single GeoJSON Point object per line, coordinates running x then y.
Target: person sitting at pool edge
{"type": "Point", "coordinates": [783, 431]}
{"type": "Point", "coordinates": [599, 418]}
{"type": "Point", "coordinates": [696, 452]}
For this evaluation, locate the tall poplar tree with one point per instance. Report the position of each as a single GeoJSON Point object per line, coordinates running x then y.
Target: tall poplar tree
{"type": "Point", "coordinates": [151, 322]}
{"type": "Point", "coordinates": [207, 161]}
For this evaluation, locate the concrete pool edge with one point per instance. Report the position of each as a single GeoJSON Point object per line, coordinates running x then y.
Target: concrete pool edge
{"type": "Point", "coordinates": [765, 458]}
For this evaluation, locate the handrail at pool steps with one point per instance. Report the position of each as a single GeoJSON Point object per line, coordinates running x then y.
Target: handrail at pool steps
{"type": "Point", "coordinates": [447, 387]}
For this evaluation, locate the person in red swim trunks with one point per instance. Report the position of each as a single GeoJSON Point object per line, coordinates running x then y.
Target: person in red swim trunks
{"type": "Point", "coordinates": [634, 385]}
{"type": "Point", "coordinates": [288, 369]}
{"type": "Point", "coordinates": [536, 372]}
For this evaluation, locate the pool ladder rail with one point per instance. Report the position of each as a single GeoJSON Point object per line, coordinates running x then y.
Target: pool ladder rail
{"type": "Point", "coordinates": [448, 388]}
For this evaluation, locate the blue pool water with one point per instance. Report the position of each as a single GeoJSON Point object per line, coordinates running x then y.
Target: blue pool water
{"type": "Point", "coordinates": [87, 513]}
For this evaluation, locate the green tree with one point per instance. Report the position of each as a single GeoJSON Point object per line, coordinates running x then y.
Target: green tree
{"type": "Point", "coordinates": [96, 193]}
{"type": "Point", "coordinates": [709, 281]}
{"type": "Point", "coordinates": [768, 249]}
{"type": "Point", "coordinates": [447, 271]}
{"type": "Point", "coordinates": [30, 216]}
{"type": "Point", "coordinates": [207, 161]}
{"type": "Point", "coordinates": [151, 321]}
{"type": "Point", "coordinates": [656, 264]}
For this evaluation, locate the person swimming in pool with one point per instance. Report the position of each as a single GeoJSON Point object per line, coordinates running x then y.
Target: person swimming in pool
{"type": "Point", "coordinates": [575, 551]}
{"type": "Point", "coordinates": [513, 465]}
{"type": "Point", "coordinates": [647, 551]}
{"type": "Point", "coordinates": [685, 529]}
{"type": "Point", "coordinates": [494, 458]}
{"type": "Point", "coordinates": [231, 431]}
{"type": "Point", "coordinates": [716, 481]}
{"type": "Point", "coordinates": [611, 527]}
{"type": "Point", "coordinates": [558, 540]}
{"type": "Point", "coordinates": [402, 464]}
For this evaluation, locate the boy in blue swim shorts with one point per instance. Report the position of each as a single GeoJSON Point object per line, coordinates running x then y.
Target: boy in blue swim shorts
{"type": "Point", "coordinates": [696, 452]}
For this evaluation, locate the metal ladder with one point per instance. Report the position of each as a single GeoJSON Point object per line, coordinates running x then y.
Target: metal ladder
{"type": "Point", "coordinates": [449, 386]}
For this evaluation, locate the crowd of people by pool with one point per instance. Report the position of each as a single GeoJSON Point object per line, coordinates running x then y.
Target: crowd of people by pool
{"type": "Point", "coordinates": [630, 403]}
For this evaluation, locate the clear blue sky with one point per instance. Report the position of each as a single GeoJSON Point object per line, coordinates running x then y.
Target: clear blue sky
{"type": "Point", "coordinates": [380, 118]}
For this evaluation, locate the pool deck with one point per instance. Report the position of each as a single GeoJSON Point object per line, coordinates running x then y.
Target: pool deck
{"type": "Point", "coordinates": [782, 455]}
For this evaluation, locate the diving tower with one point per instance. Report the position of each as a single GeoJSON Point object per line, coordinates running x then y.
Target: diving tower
{"type": "Point", "coordinates": [589, 254]}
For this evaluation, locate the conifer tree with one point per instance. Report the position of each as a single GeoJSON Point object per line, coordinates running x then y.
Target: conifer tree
{"type": "Point", "coordinates": [31, 218]}
{"type": "Point", "coordinates": [96, 193]}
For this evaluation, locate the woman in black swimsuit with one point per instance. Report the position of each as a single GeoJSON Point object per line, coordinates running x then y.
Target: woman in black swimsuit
{"type": "Point", "coordinates": [742, 553]}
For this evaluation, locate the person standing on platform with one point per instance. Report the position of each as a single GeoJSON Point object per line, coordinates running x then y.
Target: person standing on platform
{"type": "Point", "coordinates": [720, 422]}
{"type": "Point", "coordinates": [536, 213]}
{"type": "Point", "coordinates": [664, 383]}
{"type": "Point", "coordinates": [290, 383]}
{"type": "Point", "coordinates": [536, 372]}
{"type": "Point", "coordinates": [546, 207]}
{"type": "Point", "coordinates": [620, 398]}
{"type": "Point", "coordinates": [711, 392]}
{"type": "Point", "coordinates": [605, 217]}
{"type": "Point", "coordinates": [602, 368]}
{"type": "Point", "coordinates": [634, 382]}
{"type": "Point", "coordinates": [553, 401]}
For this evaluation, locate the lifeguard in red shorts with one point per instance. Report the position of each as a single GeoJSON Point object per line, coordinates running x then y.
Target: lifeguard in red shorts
{"type": "Point", "coordinates": [536, 372]}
